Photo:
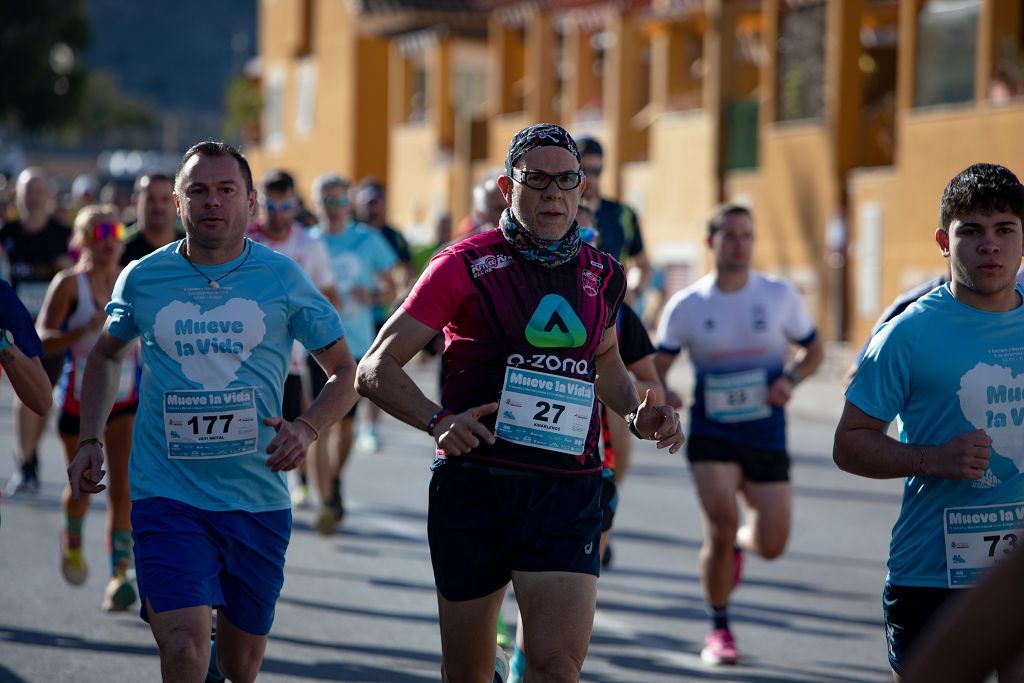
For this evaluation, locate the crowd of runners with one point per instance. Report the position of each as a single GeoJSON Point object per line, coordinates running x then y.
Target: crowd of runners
{"type": "Point", "coordinates": [205, 365]}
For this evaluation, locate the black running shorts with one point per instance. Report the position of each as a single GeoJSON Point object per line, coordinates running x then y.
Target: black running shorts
{"type": "Point", "coordinates": [291, 399]}
{"type": "Point", "coordinates": [609, 498]}
{"type": "Point", "coordinates": [70, 425]}
{"type": "Point", "coordinates": [481, 526]}
{"type": "Point", "coordinates": [758, 465]}
{"type": "Point", "coordinates": [318, 380]}
{"type": "Point", "coordinates": [907, 610]}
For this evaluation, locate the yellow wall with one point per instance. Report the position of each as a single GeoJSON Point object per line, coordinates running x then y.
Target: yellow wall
{"type": "Point", "coordinates": [934, 146]}
{"type": "Point", "coordinates": [794, 197]}
{"type": "Point", "coordinates": [682, 188]}
{"type": "Point", "coordinates": [500, 132]}
{"type": "Point", "coordinates": [902, 255]}
{"type": "Point", "coordinates": [419, 177]}
{"type": "Point", "coordinates": [344, 138]}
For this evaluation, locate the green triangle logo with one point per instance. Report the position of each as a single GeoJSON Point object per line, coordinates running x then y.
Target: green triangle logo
{"type": "Point", "coordinates": [555, 325]}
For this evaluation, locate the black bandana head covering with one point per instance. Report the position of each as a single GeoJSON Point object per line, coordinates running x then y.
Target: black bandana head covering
{"type": "Point", "coordinates": [538, 135]}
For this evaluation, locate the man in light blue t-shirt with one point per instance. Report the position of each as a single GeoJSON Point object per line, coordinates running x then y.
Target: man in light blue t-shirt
{"type": "Point", "coordinates": [217, 315]}
{"type": "Point", "coordinates": [948, 371]}
{"type": "Point", "coordinates": [362, 262]}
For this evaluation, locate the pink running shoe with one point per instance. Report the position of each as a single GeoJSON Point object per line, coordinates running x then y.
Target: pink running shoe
{"type": "Point", "coordinates": [737, 566]}
{"type": "Point", "coordinates": [719, 648]}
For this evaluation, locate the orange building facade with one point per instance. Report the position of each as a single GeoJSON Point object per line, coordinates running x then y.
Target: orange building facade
{"type": "Point", "coordinates": [838, 121]}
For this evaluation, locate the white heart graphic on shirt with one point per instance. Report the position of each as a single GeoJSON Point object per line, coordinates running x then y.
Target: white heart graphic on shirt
{"type": "Point", "coordinates": [991, 398]}
{"type": "Point", "coordinates": [212, 345]}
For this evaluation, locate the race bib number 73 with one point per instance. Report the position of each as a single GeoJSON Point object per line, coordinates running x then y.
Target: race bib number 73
{"type": "Point", "coordinates": [978, 537]}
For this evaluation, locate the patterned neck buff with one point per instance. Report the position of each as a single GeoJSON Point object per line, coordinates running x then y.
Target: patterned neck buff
{"type": "Point", "coordinates": [542, 252]}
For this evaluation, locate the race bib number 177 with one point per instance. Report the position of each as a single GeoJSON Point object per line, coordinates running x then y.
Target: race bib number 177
{"type": "Point", "coordinates": [211, 423]}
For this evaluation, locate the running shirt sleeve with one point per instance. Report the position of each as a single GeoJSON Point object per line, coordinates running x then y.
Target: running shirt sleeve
{"type": "Point", "coordinates": [319, 264]}
{"type": "Point", "coordinates": [437, 295]}
{"type": "Point", "coordinates": [881, 386]}
{"type": "Point", "coordinates": [634, 343]}
{"type": "Point", "coordinates": [797, 324]}
{"type": "Point", "coordinates": [900, 304]}
{"type": "Point", "coordinates": [672, 334]}
{"type": "Point", "coordinates": [15, 318]}
{"type": "Point", "coordinates": [312, 320]}
{"type": "Point", "coordinates": [120, 315]}
{"type": "Point", "coordinates": [631, 229]}
{"type": "Point", "coordinates": [383, 256]}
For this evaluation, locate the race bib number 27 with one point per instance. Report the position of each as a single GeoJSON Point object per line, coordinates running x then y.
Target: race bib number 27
{"type": "Point", "coordinates": [546, 411]}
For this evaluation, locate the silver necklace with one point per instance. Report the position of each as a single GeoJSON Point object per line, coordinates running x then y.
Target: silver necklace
{"type": "Point", "coordinates": [215, 283]}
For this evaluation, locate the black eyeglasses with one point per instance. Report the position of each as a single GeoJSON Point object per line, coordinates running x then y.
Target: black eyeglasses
{"type": "Point", "coordinates": [539, 180]}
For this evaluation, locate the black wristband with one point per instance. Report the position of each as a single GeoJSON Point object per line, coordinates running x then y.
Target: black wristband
{"type": "Point", "coordinates": [86, 442]}
{"type": "Point", "coordinates": [631, 425]}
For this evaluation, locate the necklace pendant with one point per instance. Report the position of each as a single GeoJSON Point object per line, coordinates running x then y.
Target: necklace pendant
{"type": "Point", "coordinates": [214, 284]}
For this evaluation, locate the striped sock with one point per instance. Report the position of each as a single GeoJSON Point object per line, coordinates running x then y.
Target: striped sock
{"type": "Point", "coordinates": [73, 531]}
{"type": "Point", "coordinates": [120, 547]}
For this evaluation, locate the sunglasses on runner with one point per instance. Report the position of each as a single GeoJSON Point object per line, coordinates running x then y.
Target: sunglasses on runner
{"type": "Point", "coordinates": [101, 231]}
{"type": "Point", "coordinates": [539, 180]}
{"type": "Point", "coordinates": [287, 205]}
{"type": "Point", "coordinates": [336, 201]}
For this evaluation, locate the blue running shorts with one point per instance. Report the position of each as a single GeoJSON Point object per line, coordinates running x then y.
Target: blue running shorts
{"type": "Point", "coordinates": [232, 560]}
{"type": "Point", "coordinates": [482, 526]}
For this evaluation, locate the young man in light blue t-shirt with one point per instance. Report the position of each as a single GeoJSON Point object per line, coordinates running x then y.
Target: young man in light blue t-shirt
{"type": "Point", "coordinates": [217, 316]}
{"type": "Point", "coordinates": [948, 369]}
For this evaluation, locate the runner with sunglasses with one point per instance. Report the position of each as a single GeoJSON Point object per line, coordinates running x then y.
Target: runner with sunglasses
{"type": "Point", "coordinates": [363, 263]}
{"type": "Point", "coordinates": [528, 313]}
{"type": "Point", "coordinates": [277, 228]}
{"type": "Point", "coordinates": [70, 323]}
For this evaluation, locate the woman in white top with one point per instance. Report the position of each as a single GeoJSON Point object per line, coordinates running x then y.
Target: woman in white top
{"type": "Point", "coordinates": [70, 322]}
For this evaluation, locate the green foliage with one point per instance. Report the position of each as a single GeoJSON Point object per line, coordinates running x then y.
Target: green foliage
{"type": "Point", "coordinates": [41, 47]}
{"type": "Point", "coordinates": [244, 105]}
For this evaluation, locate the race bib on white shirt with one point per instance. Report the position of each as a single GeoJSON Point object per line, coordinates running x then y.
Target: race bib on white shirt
{"type": "Point", "coordinates": [210, 423]}
{"type": "Point", "coordinates": [978, 537]}
{"type": "Point", "coordinates": [737, 396]}
{"type": "Point", "coordinates": [545, 411]}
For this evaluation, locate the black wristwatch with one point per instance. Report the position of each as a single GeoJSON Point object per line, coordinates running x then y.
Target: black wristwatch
{"type": "Point", "coordinates": [631, 425]}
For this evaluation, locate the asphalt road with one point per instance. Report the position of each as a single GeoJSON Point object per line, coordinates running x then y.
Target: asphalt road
{"type": "Point", "coordinates": [360, 606]}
